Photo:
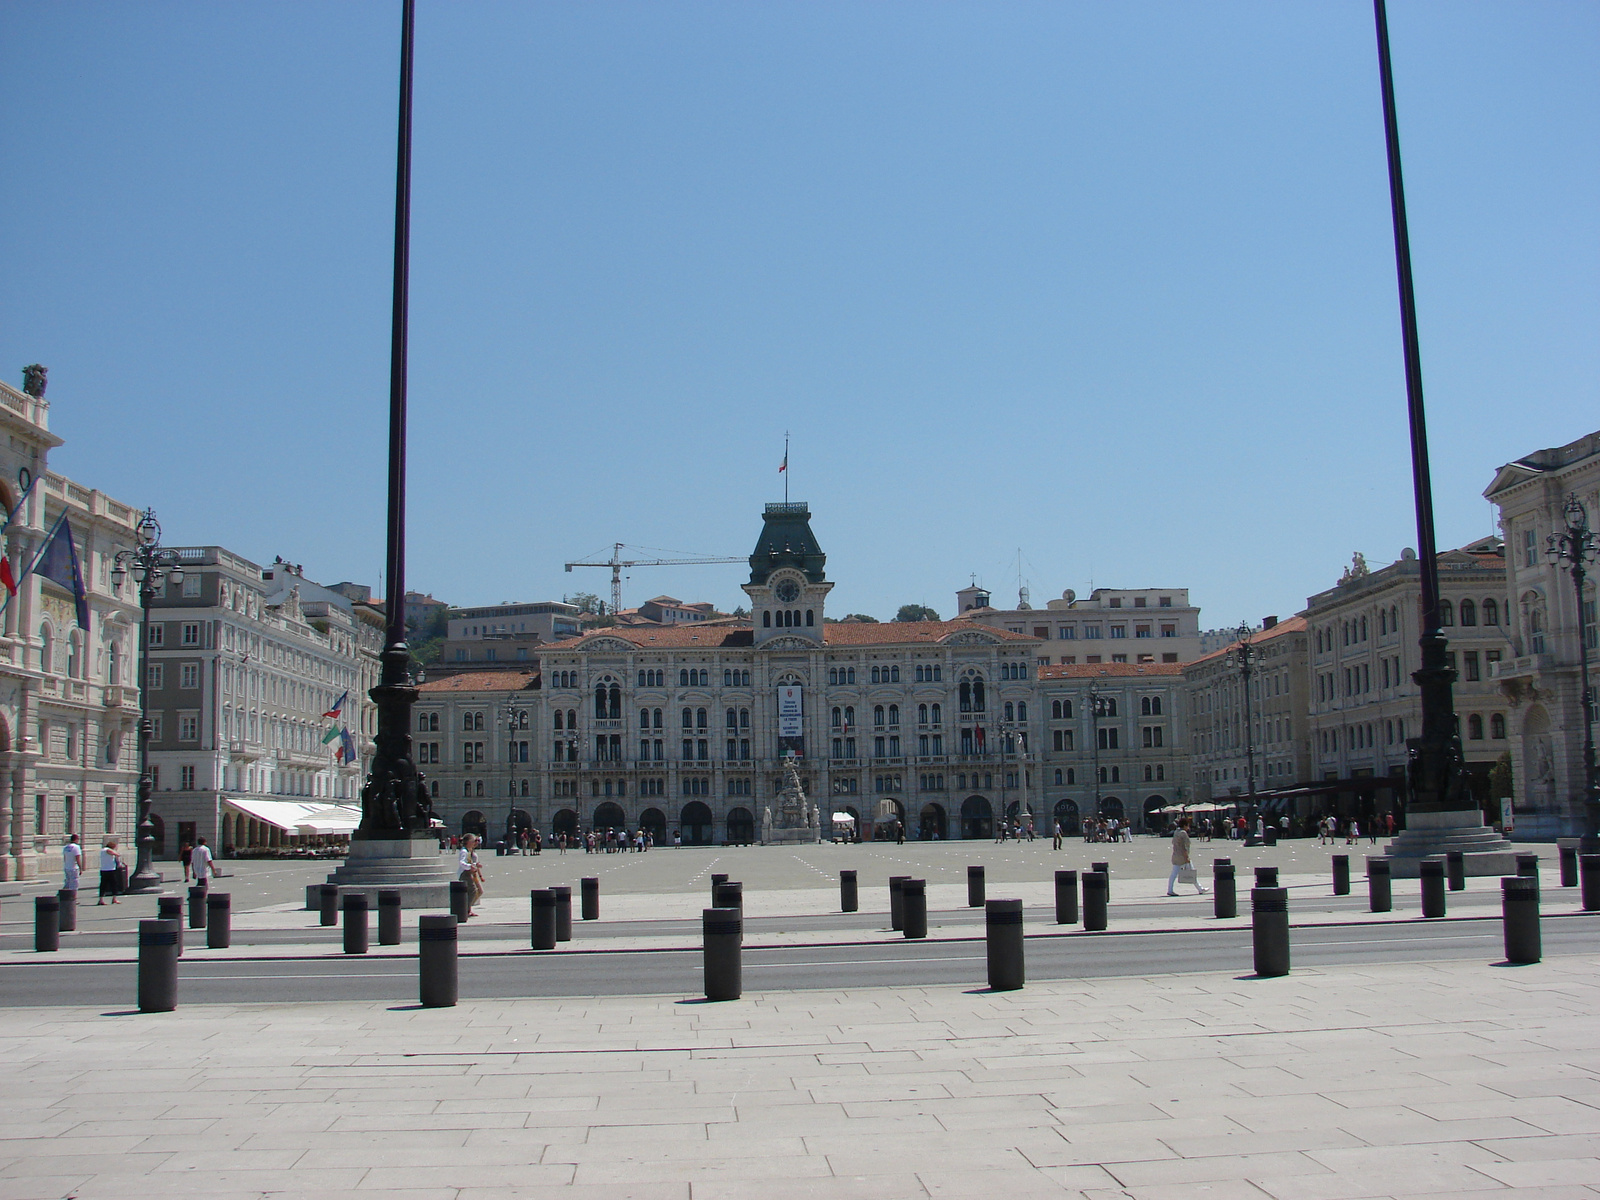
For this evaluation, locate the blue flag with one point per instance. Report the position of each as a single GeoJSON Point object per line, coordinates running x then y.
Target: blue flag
{"type": "Point", "coordinates": [348, 744]}
{"type": "Point", "coordinates": [58, 563]}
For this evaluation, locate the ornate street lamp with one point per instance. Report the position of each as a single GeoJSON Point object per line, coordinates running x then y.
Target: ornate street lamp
{"type": "Point", "coordinates": [150, 564]}
{"type": "Point", "coordinates": [1242, 657]}
{"type": "Point", "coordinates": [513, 717]}
{"type": "Point", "coordinates": [1577, 546]}
{"type": "Point", "coordinates": [1098, 703]}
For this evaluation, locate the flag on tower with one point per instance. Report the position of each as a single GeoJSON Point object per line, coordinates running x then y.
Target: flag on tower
{"type": "Point", "coordinates": [784, 465]}
{"type": "Point", "coordinates": [338, 706]}
{"type": "Point", "coordinates": [347, 746]}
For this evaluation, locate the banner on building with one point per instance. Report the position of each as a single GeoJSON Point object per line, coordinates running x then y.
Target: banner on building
{"type": "Point", "coordinates": [790, 713]}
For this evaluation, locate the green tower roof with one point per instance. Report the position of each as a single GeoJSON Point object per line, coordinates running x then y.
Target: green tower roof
{"type": "Point", "coordinates": [787, 541]}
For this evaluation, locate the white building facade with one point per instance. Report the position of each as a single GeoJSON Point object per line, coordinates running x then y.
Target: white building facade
{"type": "Point", "coordinates": [1111, 625]}
{"type": "Point", "coordinates": [1540, 677]}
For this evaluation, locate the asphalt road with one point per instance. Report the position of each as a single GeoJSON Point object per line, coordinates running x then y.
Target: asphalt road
{"type": "Point", "coordinates": [669, 972]}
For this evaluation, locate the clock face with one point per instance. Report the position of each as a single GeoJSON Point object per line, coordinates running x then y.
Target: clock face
{"type": "Point", "coordinates": [788, 591]}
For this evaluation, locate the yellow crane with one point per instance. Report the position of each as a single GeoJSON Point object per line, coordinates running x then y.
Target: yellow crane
{"type": "Point", "coordinates": [616, 562]}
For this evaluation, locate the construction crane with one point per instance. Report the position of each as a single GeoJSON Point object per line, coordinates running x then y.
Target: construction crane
{"type": "Point", "coordinates": [616, 562]}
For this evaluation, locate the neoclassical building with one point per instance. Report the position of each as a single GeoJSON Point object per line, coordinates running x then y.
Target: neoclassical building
{"type": "Point", "coordinates": [684, 728]}
{"type": "Point", "coordinates": [69, 699]}
{"type": "Point", "coordinates": [1540, 677]}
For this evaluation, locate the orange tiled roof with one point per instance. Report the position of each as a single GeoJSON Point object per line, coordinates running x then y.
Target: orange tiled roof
{"type": "Point", "coordinates": [1291, 625]}
{"type": "Point", "coordinates": [697, 636]}
{"type": "Point", "coordinates": [1111, 670]}
{"type": "Point", "coordinates": [483, 681]}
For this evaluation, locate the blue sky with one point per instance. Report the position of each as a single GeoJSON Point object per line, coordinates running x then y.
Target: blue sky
{"type": "Point", "coordinates": [1109, 285]}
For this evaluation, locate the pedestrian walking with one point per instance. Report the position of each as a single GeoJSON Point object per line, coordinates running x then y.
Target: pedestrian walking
{"type": "Point", "coordinates": [1055, 837]}
{"type": "Point", "coordinates": [201, 863]}
{"type": "Point", "coordinates": [71, 863]}
{"type": "Point", "coordinates": [110, 871]}
{"type": "Point", "coordinates": [470, 871]}
{"type": "Point", "coordinates": [1182, 869]}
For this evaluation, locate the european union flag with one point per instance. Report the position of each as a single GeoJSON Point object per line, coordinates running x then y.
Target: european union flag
{"type": "Point", "coordinates": [59, 564]}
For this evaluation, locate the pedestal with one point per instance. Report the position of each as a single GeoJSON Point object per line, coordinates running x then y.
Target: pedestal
{"type": "Point", "coordinates": [414, 867]}
{"type": "Point", "coordinates": [1483, 851]}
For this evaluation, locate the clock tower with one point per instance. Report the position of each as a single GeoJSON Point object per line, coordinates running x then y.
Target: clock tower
{"type": "Point", "coordinates": [787, 587]}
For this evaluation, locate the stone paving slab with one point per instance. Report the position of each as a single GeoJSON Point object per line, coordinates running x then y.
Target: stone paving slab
{"type": "Point", "coordinates": [1416, 1080]}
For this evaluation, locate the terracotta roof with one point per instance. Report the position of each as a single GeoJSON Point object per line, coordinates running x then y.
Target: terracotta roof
{"type": "Point", "coordinates": [1290, 625]}
{"type": "Point", "coordinates": [697, 636]}
{"type": "Point", "coordinates": [1110, 670]}
{"type": "Point", "coordinates": [483, 681]}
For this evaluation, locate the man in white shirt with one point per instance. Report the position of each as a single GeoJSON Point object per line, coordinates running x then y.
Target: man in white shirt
{"type": "Point", "coordinates": [71, 864]}
{"type": "Point", "coordinates": [200, 859]}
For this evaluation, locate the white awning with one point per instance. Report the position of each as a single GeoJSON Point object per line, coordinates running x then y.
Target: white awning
{"type": "Point", "coordinates": [298, 817]}
{"type": "Point", "coordinates": [844, 818]}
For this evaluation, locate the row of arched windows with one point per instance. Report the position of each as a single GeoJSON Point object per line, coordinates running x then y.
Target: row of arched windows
{"type": "Point", "coordinates": [787, 618]}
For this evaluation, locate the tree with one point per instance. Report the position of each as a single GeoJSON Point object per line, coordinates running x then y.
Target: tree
{"type": "Point", "coordinates": [915, 612]}
{"type": "Point", "coordinates": [1500, 777]}
{"type": "Point", "coordinates": [740, 611]}
{"type": "Point", "coordinates": [587, 602]}
{"type": "Point", "coordinates": [859, 618]}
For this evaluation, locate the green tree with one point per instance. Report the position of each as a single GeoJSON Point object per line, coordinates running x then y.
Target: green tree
{"type": "Point", "coordinates": [587, 602]}
{"type": "Point", "coordinates": [859, 618]}
{"type": "Point", "coordinates": [1500, 784]}
{"type": "Point", "coordinates": [915, 612]}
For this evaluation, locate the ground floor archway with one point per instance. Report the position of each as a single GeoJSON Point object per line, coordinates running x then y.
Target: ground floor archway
{"type": "Point", "coordinates": [694, 824]}
{"type": "Point", "coordinates": [931, 823]}
{"type": "Point", "coordinates": [1066, 813]}
{"type": "Point", "coordinates": [564, 822]}
{"type": "Point", "coordinates": [473, 822]}
{"type": "Point", "coordinates": [977, 818]}
{"type": "Point", "coordinates": [609, 815]}
{"type": "Point", "coordinates": [741, 826]}
{"type": "Point", "coordinates": [1110, 807]}
{"type": "Point", "coordinates": [654, 822]}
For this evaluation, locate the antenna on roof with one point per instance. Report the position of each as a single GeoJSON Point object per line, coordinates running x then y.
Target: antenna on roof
{"type": "Point", "coordinates": [1022, 588]}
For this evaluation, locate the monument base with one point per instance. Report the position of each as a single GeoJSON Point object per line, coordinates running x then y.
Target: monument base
{"type": "Point", "coordinates": [414, 867]}
{"type": "Point", "coordinates": [1484, 852]}
{"type": "Point", "coordinates": [789, 837]}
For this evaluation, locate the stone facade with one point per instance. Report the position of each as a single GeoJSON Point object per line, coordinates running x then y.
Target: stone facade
{"type": "Point", "coordinates": [68, 704]}
{"type": "Point", "coordinates": [244, 662]}
{"type": "Point", "coordinates": [1540, 677]}
{"type": "Point", "coordinates": [1363, 643]}
{"type": "Point", "coordinates": [1112, 625]}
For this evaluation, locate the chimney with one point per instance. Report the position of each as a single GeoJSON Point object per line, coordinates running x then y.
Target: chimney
{"type": "Point", "coordinates": [1268, 623]}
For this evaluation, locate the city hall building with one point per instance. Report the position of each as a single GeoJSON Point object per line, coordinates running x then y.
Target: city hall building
{"type": "Point", "coordinates": [684, 728]}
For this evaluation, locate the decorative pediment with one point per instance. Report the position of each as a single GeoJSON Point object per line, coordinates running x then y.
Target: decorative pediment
{"type": "Point", "coordinates": [608, 645]}
{"type": "Point", "coordinates": [969, 637]}
{"type": "Point", "coordinates": [788, 641]}
{"type": "Point", "coordinates": [1509, 476]}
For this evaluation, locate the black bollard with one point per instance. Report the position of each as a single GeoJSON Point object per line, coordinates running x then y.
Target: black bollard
{"type": "Point", "coordinates": [1002, 923]}
{"type": "Point", "coordinates": [897, 911]}
{"type": "Point", "coordinates": [544, 918]}
{"type": "Point", "coordinates": [219, 920]}
{"type": "Point", "coordinates": [68, 921]}
{"type": "Point", "coordinates": [589, 898]}
{"type": "Point", "coordinates": [1224, 892]}
{"type": "Point", "coordinates": [1380, 898]}
{"type": "Point", "coordinates": [1589, 882]}
{"type": "Point", "coordinates": [197, 908]}
{"type": "Point", "coordinates": [355, 923]}
{"type": "Point", "coordinates": [716, 882]}
{"type": "Point", "coordinates": [1569, 865]}
{"type": "Point", "coordinates": [328, 899]}
{"type": "Point", "coordinates": [1105, 869]}
{"type": "Point", "coordinates": [976, 889]}
{"type": "Point", "coordinates": [436, 960]}
{"type": "Point", "coordinates": [46, 923]}
{"type": "Point", "coordinates": [1066, 897]}
{"type": "Point", "coordinates": [1266, 877]}
{"type": "Point", "coordinates": [1095, 895]}
{"type": "Point", "coordinates": [563, 913]}
{"type": "Point", "coordinates": [1528, 864]}
{"type": "Point", "coordinates": [1341, 874]}
{"type": "Point", "coordinates": [460, 900]}
{"type": "Point", "coordinates": [730, 894]}
{"type": "Point", "coordinates": [160, 942]}
{"type": "Point", "coordinates": [914, 907]}
{"type": "Point", "coordinates": [1455, 871]}
{"type": "Point", "coordinates": [1519, 917]}
{"type": "Point", "coordinates": [170, 908]}
{"type": "Point", "coordinates": [390, 904]}
{"type": "Point", "coordinates": [722, 934]}
{"type": "Point", "coordinates": [849, 892]}
{"type": "Point", "coordinates": [1269, 930]}
{"type": "Point", "coordinates": [1431, 871]}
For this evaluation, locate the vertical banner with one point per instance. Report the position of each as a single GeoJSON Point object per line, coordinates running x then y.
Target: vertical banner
{"type": "Point", "coordinates": [1508, 819]}
{"type": "Point", "coordinates": [791, 726]}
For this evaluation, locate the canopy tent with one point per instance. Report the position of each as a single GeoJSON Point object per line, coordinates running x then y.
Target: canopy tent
{"type": "Point", "coordinates": [298, 817]}
{"type": "Point", "coordinates": [843, 819]}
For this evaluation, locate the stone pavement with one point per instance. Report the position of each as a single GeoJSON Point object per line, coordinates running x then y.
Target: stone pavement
{"type": "Point", "coordinates": [1449, 1079]}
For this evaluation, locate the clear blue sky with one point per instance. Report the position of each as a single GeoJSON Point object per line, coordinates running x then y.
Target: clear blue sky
{"type": "Point", "coordinates": [1111, 284]}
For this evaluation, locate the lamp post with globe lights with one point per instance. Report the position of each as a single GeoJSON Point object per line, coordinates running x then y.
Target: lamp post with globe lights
{"type": "Point", "coordinates": [1577, 547]}
{"type": "Point", "coordinates": [514, 717]}
{"type": "Point", "coordinates": [1242, 656]}
{"type": "Point", "coordinates": [150, 564]}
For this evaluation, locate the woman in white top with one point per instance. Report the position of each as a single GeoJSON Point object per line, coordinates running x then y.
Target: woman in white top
{"type": "Point", "coordinates": [110, 871]}
{"type": "Point", "coordinates": [470, 871]}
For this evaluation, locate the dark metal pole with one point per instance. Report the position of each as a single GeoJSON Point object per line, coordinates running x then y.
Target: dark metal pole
{"type": "Point", "coordinates": [144, 878]}
{"type": "Point", "coordinates": [1094, 742]}
{"type": "Point", "coordinates": [1576, 545]}
{"type": "Point", "coordinates": [393, 804]}
{"type": "Point", "coordinates": [1437, 780]}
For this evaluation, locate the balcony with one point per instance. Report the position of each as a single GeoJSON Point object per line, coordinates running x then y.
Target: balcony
{"type": "Point", "coordinates": [1522, 667]}
{"type": "Point", "coordinates": [117, 696]}
{"type": "Point", "coordinates": [244, 750]}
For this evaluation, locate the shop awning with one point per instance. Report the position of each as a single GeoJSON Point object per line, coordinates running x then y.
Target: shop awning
{"type": "Point", "coordinates": [298, 817]}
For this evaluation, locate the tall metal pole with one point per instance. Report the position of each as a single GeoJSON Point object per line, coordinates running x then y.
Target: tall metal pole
{"type": "Point", "coordinates": [144, 877]}
{"type": "Point", "coordinates": [393, 805]}
{"type": "Point", "coordinates": [1094, 741]}
{"type": "Point", "coordinates": [1437, 780]}
{"type": "Point", "coordinates": [1576, 546]}
{"type": "Point", "coordinates": [1245, 654]}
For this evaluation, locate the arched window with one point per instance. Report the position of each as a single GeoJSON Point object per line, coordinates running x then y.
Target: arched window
{"type": "Point", "coordinates": [838, 716]}
{"type": "Point", "coordinates": [877, 711]}
{"type": "Point", "coordinates": [894, 714]}
{"type": "Point", "coordinates": [1475, 728]}
{"type": "Point", "coordinates": [1363, 629]}
{"type": "Point", "coordinates": [1010, 711]}
{"type": "Point", "coordinates": [850, 714]}
{"type": "Point", "coordinates": [1469, 613]}
{"type": "Point", "coordinates": [688, 718]}
{"type": "Point", "coordinates": [1497, 725]}
{"type": "Point", "coordinates": [700, 718]}
{"type": "Point", "coordinates": [810, 617]}
{"type": "Point", "coordinates": [922, 714]}
{"type": "Point", "coordinates": [1022, 710]}
{"type": "Point", "coordinates": [47, 650]}
{"type": "Point", "coordinates": [1447, 613]}
{"type": "Point", "coordinates": [1383, 621]}
{"type": "Point", "coordinates": [833, 676]}
{"type": "Point", "coordinates": [874, 674]}
{"type": "Point", "coordinates": [114, 665]}
{"type": "Point", "coordinates": [1055, 710]}
{"type": "Point", "coordinates": [934, 714]}
{"type": "Point", "coordinates": [466, 722]}
{"type": "Point", "coordinates": [766, 620]}
{"type": "Point", "coordinates": [683, 678]}
{"type": "Point", "coordinates": [965, 694]}
{"type": "Point", "coordinates": [1491, 612]}
{"type": "Point", "coordinates": [977, 695]}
